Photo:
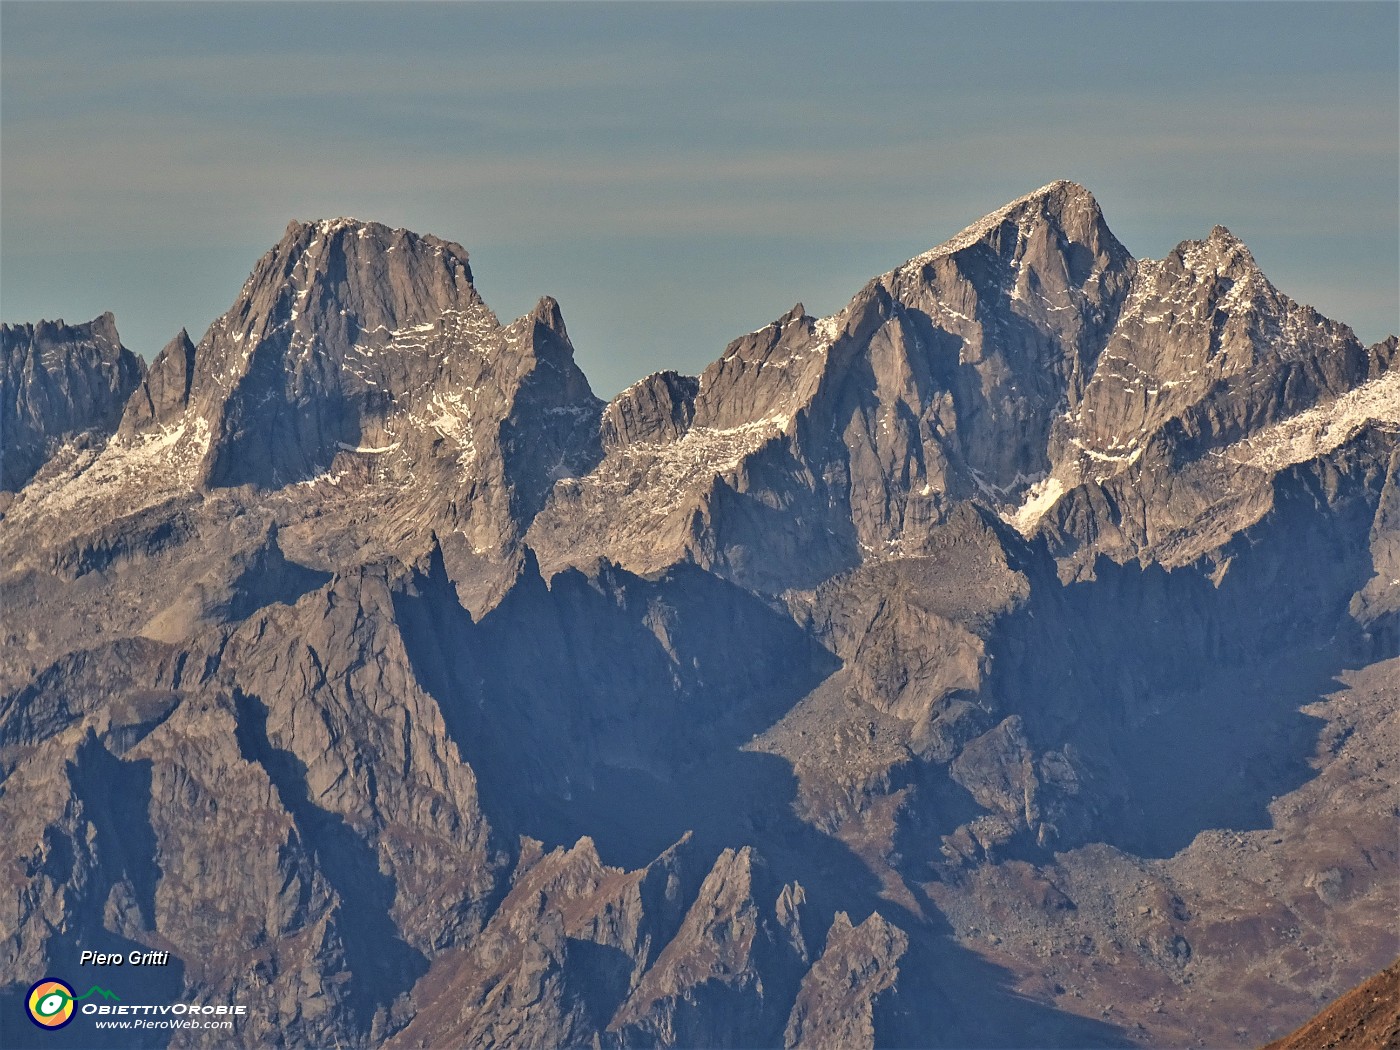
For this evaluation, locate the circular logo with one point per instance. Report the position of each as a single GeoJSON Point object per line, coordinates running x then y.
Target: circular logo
{"type": "Point", "coordinates": [50, 1003]}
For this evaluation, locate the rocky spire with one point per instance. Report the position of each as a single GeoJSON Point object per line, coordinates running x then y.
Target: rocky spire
{"type": "Point", "coordinates": [165, 392]}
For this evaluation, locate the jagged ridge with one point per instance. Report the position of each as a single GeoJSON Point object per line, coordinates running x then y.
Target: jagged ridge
{"type": "Point", "coordinates": [441, 655]}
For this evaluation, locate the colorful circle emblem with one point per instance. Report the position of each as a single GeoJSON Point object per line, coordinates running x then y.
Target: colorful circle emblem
{"type": "Point", "coordinates": [50, 1003]}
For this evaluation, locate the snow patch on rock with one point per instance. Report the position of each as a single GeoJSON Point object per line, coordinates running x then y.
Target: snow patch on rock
{"type": "Point", "coordinates": [1320, 430]}
{"type": "Point", "coordinates": [1039, 499]}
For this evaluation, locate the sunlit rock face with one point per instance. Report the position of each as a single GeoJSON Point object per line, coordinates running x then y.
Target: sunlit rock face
{"type": "Point", "coordinates": [1009, 658]}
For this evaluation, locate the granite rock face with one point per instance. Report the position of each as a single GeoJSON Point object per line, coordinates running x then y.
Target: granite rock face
{"type": "Point", "coordinates": [165, 392]}
{"type": "Point", "coordinates": [61, 382]}
{"type": "Point", "coordinates": [659, 407]}
{"type": "Point", "coordinates": [1006, 659]}
{"type": "Point", "coordinates": [836, 1004]}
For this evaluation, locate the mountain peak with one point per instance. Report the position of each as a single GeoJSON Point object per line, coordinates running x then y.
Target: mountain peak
{"type": "Point", "coordinates": [361, 237]}
{"type": "Point", "coordinates": [1221, 253]}
{"type": "Point", "coordinates": [102, 328]}
{"type": "Point", "coordinates": [1062, 203]}
{"type": "Point", "coordinates": [797, 312]}
{"type": "Point", "coordinates": [380, 236]}
{"type": "Point", "coordinates": [324, 227]}
{"type": "Point", "coordinates": [548, 314]}
{"type": "Point", "coordinates": [164, 393]}
{"type": "Point", "coordinates": [181, 343]}
{"type": "Point", "coordinates": [105, 325]}
{"type": "Point", "coordinates": [1056, 194]}
{"type": "Point", "coordinates": [335, 279]}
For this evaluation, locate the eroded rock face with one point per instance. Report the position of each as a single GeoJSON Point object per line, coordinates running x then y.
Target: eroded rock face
{"type": "Point", "coordinates": [709, 981]}
{"type": "Point", "coordinates": [836, 1005]}
{"type": "Point", "coordinates": [657, 408]}
{"type": "Point", "coordinates": [1205, 340]}
{"type": "Point", "coordinates": [1022, 304]}
{"type": "Point", "coordinates": [363, 660]}
{"type": "Point", "coordinates": [165, 392]}
{"type": "Point", "coordinates": [60, 382]}
{"type": "Point", "coordinates": [360, 382]}
{"type": "Point", "coordinates": [323, 684]}
{"type": "Point", "coordinates": [354, 343]}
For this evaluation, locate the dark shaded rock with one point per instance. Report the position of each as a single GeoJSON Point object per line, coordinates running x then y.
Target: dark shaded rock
{"type": "Point", "coordinates": [721, 978]}
{"type": "Point", "coordinates": [165, 392]}
{"type": "Point", "coordinates": [59, 381]}
{"type": "Point", "coordinates": [324, 685]}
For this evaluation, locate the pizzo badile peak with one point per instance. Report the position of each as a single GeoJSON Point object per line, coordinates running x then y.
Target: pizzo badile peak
{"type": "Point", "coordinates": [1009, 658]}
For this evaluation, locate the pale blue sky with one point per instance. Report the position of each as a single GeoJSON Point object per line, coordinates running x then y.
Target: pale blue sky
{"type": "Point", "coordinates": [679, 174]}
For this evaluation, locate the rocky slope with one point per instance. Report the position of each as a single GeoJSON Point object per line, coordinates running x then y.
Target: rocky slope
{"type": "Point", "coordinates": [1007, 659]}
{"type": "Point", "coordinates": [1366, 1018]}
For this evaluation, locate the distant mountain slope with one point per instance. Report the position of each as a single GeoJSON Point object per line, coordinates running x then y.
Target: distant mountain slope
{"type": "Point", "coordinates": [1008, 659]}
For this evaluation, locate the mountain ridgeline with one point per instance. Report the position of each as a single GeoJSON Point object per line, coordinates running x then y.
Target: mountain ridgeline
{"type": "Point", "coordinates": [1010, 658]}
